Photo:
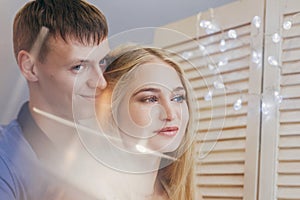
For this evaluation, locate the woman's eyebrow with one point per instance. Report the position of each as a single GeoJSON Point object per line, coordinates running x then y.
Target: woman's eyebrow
{"type": "Point", "coordinates": [150, 89]}
{"type": "Point", "coordinates": [178, 89]}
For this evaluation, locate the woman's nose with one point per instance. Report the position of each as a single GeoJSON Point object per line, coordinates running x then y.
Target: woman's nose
{"type": "Point", "coordinates": [168, 112]}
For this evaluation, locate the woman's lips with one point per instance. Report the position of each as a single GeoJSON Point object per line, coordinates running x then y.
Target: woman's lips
{"type": "Point", "coordinates": [168, 131]}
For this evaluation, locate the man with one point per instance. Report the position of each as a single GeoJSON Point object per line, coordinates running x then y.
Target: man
{"type": "Point", "coordinates": [60, 48]}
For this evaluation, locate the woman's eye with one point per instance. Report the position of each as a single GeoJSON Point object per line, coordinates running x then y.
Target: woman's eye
{"type": "Point", "coordinates": [150, 99]}
{"type": "Point", "coordinates": [178, 98]}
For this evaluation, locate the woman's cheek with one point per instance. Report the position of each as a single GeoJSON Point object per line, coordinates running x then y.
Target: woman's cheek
{"type": "Point", "coordinates": [141, 115]}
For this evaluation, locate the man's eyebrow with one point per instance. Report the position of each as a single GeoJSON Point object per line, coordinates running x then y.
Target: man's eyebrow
{"type": "Point", "coordinates": [89, 61]}
{"type": "Point", "coordinates": [84, 61]}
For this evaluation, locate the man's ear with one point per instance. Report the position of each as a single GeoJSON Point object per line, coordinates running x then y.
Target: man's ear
{"type": "Point", "coordinates": [27, 66]}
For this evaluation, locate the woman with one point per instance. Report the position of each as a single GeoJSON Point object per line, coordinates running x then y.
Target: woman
{"type": "Point", "coordinates": [150, 114]}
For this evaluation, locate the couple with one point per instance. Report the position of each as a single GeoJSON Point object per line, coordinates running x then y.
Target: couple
{"type": "Point", "coordinates": [58, 43]}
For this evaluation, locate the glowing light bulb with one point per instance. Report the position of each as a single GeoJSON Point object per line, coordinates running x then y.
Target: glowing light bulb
{"type": "Point", "coordinates": [276, 38]}
{"type": "Point", "coordinates": [255, 57]}
{"type": "Point", "coordinates": [218, 85]}
{"type": "Point", "coordinates": [187, 55]}
{"type": "Point", "coordinates": [287, 25]}
{"type": "Point", "coordinates": [237, 104]}
{"type": "Point", "coordinates": [208, 96]}
{"type": "Point", "coordinates": [212, 28]}
{"type": "Point", "coordinates": [211, 67]}
{"type": "Point", "coordinates": [222, 45]}
{"type": "Point", "coordinates": [272, 61]}
{"type": "Point", "coordinates": [201, 47]}
{"type": "Point", "coordinates": [223, 62]}
{"type": "Point", "coordinates": [232, 34]}
{"type": "Point", "coordinates": [256, 21]}
{"type": "Point", "coordinates": [204, 23]}
{"type": "Point", "coordinates": [277, 97]}
{"type": "Point", "coordinates": [265, 108]}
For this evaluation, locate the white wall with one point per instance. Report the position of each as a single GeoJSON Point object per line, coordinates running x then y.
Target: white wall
{"type": "Point", "coordinates": [13, 88]}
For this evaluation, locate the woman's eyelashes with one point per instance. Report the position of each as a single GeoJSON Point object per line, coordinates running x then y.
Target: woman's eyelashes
{"type": "Point", "coordinates": [149, 99]}
{"type": "Point", "coordinates": [178, 98]}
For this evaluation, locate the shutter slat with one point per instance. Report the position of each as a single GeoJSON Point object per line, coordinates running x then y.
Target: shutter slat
{"type": "Point", "coordinates": [289, 180]}
{"type": "Point", "coordinates": [289, 167]}
{"type": "Point", "coordinates": [292, 154]}
{"type": "Point", "coordinates": [222, 168]}
{"type": "Point", "coordinates": [291, 116]}
{"type": "Point", "coordinates": [289, 141]}
{"type": "Point", "coordinates": [222, 135]}
{"type": "Point", "coordinates": [290, 193]}
{"type": "Point", "coordinates": [220, 180]}
{"type": "Point", "coordinates": [290, 79]}
{"type": "Point", "coordinates": [221, 192]}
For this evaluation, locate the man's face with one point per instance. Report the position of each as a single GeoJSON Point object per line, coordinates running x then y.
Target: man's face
{"type": "Point", "coordinates": [69, 78]}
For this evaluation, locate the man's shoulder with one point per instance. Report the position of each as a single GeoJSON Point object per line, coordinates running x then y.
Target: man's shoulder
{"type": "Point", "coordinates": [17, 162]}
{"type": "Point", "coordinates": [10, 135]}
{"type": "Point", "coordinates": [13, 146]}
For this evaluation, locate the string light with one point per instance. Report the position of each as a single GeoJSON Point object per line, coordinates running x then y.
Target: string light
{"type": "Point", "coordinates": [256, 57]}
{"type": "Point", "coordinates": [277, 97]}
{"type": "Point", "coordinates": [269, 99]}
{"type": "Point", "coordinates": [201, 47]}
{"type": "Point", "coordinates": [272, 61]}
{"type": "Point", "coordinates": [205, 24]}
{"type": "Point", "coordinates": [210, 26]}
{"type": "Point", "coordinates": [265, 108]}
{"type": "Point", "coordinates": [212, 67]}
{"type": "Point", "coordinates": [237, 104]}
{"type": "Point", "coordinates": [218, 85]}
{"type": "Point", "coordinates": [256, 21]}
{"type": "Point", "coordinates": [208, 96]}
{"type": "Point", "coordinates": [187, 55]}
{"type": "Point", "coordinates": [276, 38]}
{"type": "Point", "coordinates": [287, 25]}
{"type": "Point", "coordinates": [232, 34]}
{"type": "Point", "coordinates": [222, 45]}
{"type": "Point", "coordinates": [203, 50]}
{"type": "Point", "coordinates": [223, 62]}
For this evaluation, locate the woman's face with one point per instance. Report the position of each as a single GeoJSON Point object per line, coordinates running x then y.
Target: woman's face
{"type": "Point", "coordinates": [153, 112]}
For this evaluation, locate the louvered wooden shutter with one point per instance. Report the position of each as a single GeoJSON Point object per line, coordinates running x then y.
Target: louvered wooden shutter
{"type": "Point", "coordinates": [280, 148]}
{"type": "Point", "coordinates": [228, 139]}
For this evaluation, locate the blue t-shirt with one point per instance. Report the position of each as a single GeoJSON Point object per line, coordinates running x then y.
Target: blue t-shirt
{"type": "Point", "coordinates": [23, 146]}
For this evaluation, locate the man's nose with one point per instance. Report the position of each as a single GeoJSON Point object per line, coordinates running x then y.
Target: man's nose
{"type": "Point", "coordinates": [97, 79]}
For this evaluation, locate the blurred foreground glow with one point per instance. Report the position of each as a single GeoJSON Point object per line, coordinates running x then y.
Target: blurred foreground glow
{"type": "Point", "coordinates": [144, 150]}
{"type": "Point", "coordinates": [140, 148]}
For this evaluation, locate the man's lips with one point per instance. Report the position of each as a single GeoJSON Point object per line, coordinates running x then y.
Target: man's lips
{"type": "Point", "coordinates": [90, 97]}
{"type": "Point", "coordinates": [168, 131]}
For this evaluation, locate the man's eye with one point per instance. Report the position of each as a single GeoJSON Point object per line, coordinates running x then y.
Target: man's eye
{"type": "Point", "coordinates": [178, 98]}
{"type": "Point", "coordinates": [77, 68]}
{"type": "Point", "coordinates": [103, 64]}
{"type": "Point", "coordinates": [150, 99]}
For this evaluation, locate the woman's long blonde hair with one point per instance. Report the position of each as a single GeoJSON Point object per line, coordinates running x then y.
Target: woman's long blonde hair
{"type": "Point", "coordinates": [177, 177]}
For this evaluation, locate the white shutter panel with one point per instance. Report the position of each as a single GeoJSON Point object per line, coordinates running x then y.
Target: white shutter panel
{"type": "Point", "coordinates": [280, 163]}
{"type": "Point", "coordinates": [228, 139]}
